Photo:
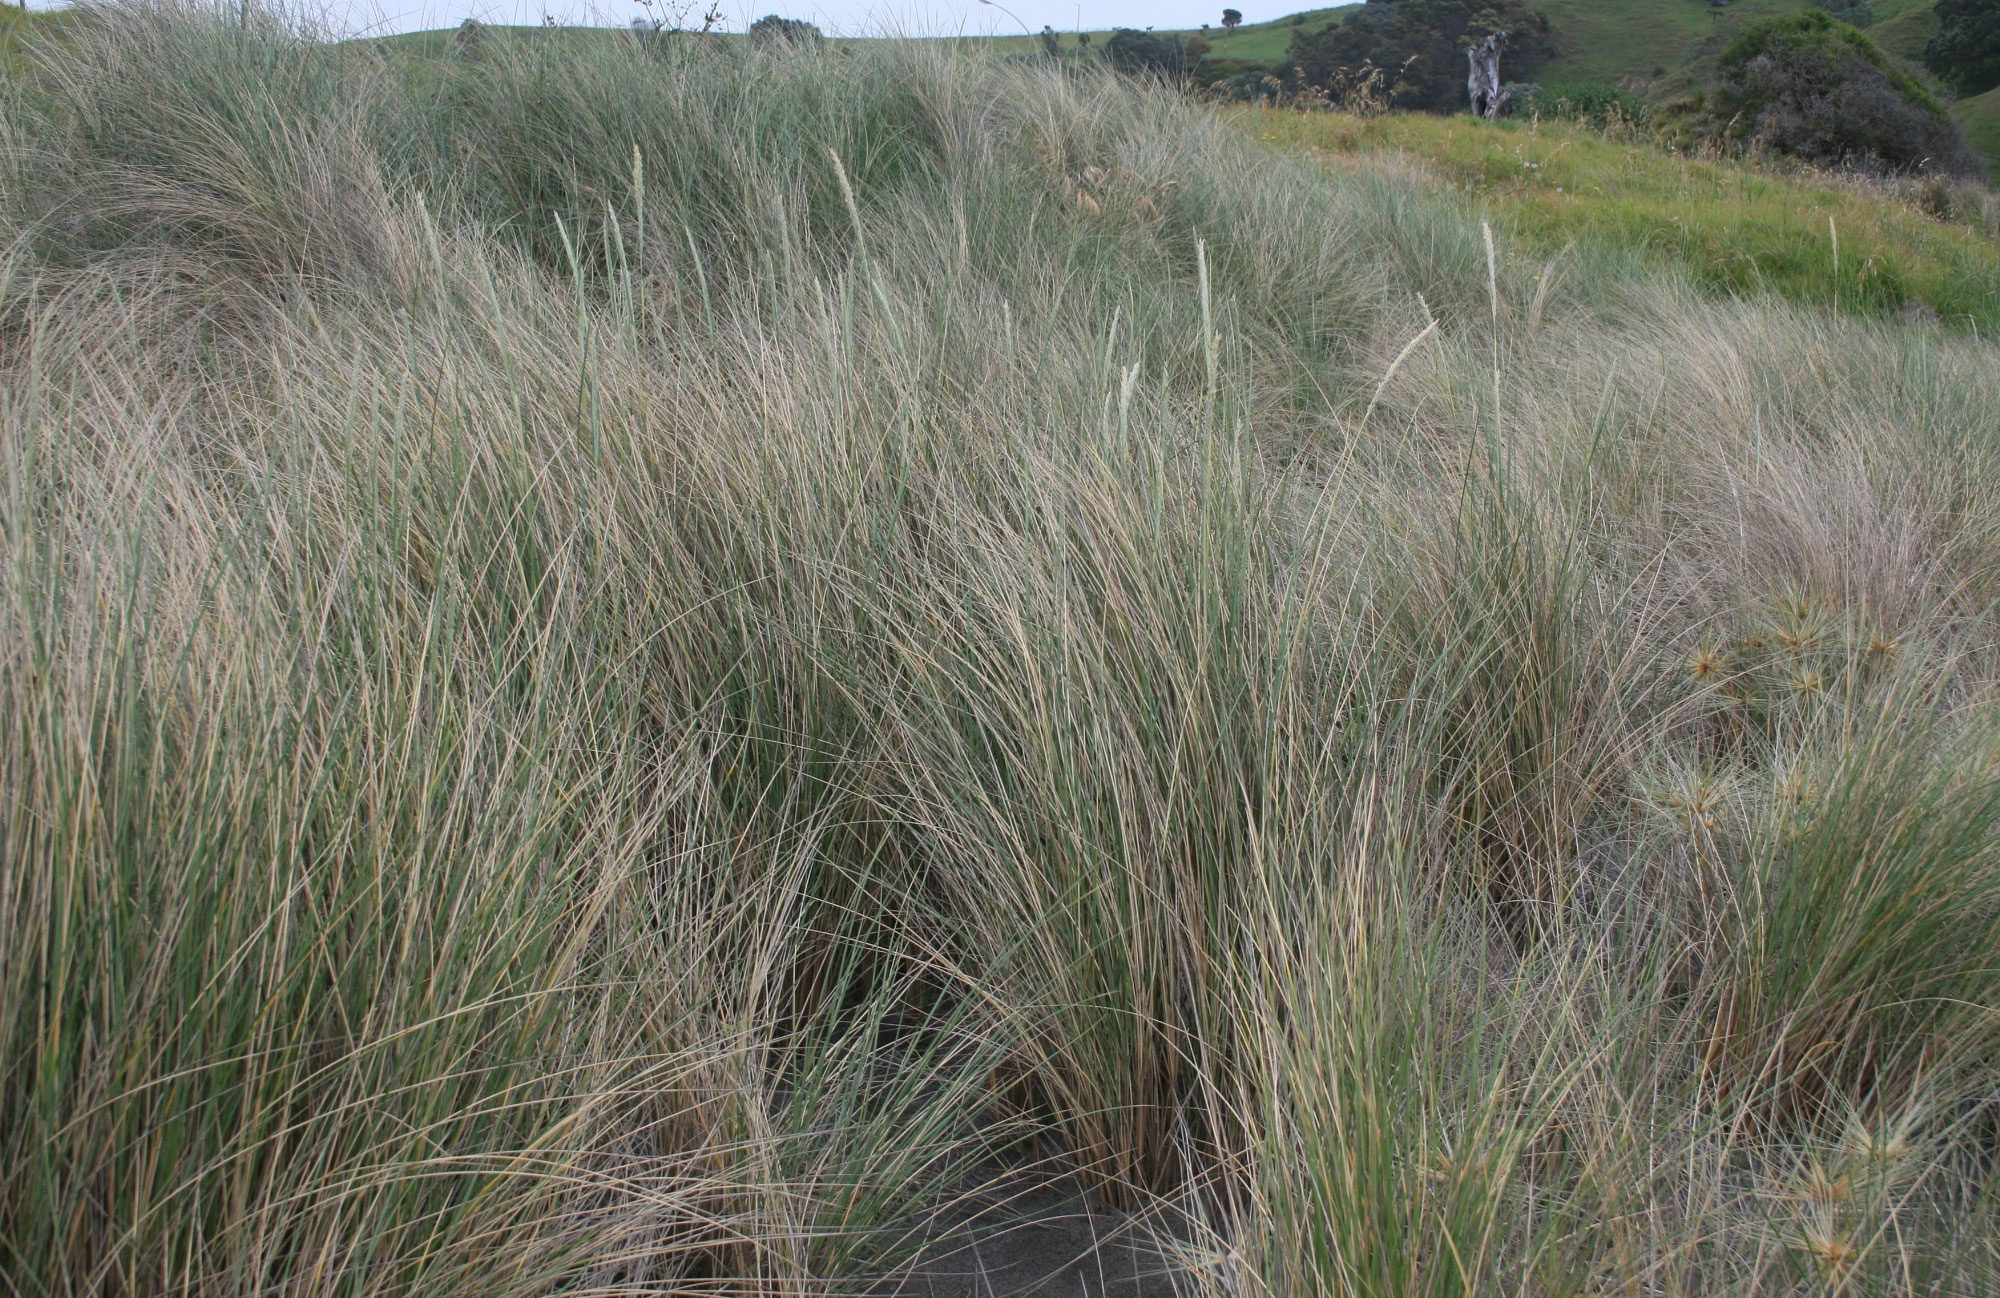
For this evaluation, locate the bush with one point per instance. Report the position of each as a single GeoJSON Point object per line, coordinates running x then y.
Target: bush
{"type": "Point", "coordinates": [1591, 102]}
{"type": "Point", "coordinates": [1818, 89]}
{"type": "Point", "coordinates": [1137, 53]}
{"type": "Point", "coordinates": [773, 30]}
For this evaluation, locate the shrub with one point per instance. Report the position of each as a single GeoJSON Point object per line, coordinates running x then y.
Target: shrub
{"type": "Point", "coordinates": [773, 30]}
{"type": "Point", "coordinates": [1421, 46]}
{"type": "Point", "coordinates": [1818, 89]}
{"type": "Point", "coordinates": [1237, 82]}
{"type": "Point", "coordinates": [1137, 53]}
{"type": "Point", "coordinates": [1590, 102]}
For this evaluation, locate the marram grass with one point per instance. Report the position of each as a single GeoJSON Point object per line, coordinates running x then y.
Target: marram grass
{"type": "Point", "coordinates": [626, 668]}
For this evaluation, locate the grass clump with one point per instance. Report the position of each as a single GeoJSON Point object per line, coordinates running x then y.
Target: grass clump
{"type": "Point", "coordinates": [632, 666]}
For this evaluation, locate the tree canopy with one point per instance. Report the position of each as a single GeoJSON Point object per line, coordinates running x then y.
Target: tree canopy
{"type": "Point", "coordinates": [1419, 46]}
{"type": "Point", "coordinates": [1136, 52]}
{"type": "Point", "coordinates": [1966, 50]}
{"type": "Point", "coordinates": [790, 31]}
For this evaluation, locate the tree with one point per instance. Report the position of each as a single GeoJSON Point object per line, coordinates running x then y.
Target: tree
{"type": "Point", "coordinates": [1231, 19]}
{"type": "Point", "coordinates": [772, 30]}
{"type": "Point", "coordinates": [1138, 53]}
{"type": "Point", "coordinates": [1966, 50]}
{"type": "Point", "coordinates": [1420, 46]}
{"type": "Point", "coordinates": [1815, 88]}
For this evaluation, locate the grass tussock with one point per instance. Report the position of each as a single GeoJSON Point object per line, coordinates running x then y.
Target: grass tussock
{"type": "Point", "coordinates": [626, 667]}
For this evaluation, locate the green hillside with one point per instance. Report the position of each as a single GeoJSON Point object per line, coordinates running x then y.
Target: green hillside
{"type": "Point", "coordinates": [19, 26]}
{"type": "Point", "coordinates": [13, 24]}
{"type": "Point", "coordinates": [1666, 44]}
{"type": "Point", "coordinates": [1649, 42]}
{"type": "Point", "coordinates": [1576, 195]}
{"type": "Point", "coordinates": [1261, 42]}
{"type": "Point", "coordinates": [1979, 117]}
{"type": "Point", "coordinates": [1661, 48]}
{"type": "Point", "coordinates": [1664, 48]}
{"type": "Point", "coordinates": [1903, 27]}
{"type": "Point", "coordinates": [1267, 42]}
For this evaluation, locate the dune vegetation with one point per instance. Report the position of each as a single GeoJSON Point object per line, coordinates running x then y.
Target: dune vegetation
{"type": "Point", "coordinates": [625, 667]}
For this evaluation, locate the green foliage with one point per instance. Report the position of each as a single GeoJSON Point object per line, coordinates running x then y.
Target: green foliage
{"type": "Point", "coordinates": [771, 29]}
{"type": "Point", "coordinates": [1137, 53]}
{"type": "Point", "coordinates": [1419, 46]}
{"type": "Point", "coordinates": [1966, 49]}
{"type": "Point", "coordinates": [1814, 34]}
{"type": "Point", "coordinates": [1821, 90]}
{"type": "Point", "coordinates": [1591, 102]}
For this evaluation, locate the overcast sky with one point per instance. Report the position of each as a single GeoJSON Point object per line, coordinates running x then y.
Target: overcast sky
{"type": "Point", "coordinates": [836, 17]}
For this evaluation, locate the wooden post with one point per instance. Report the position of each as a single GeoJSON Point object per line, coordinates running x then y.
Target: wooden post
{"type": "Point", "coordinates": [1483, 82]}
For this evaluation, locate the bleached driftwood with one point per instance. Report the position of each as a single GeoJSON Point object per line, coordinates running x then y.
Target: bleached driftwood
{"type": "Point", "coordinates": [1489, 97]}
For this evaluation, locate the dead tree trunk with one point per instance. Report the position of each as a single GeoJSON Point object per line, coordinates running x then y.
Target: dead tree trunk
{"type": "Point", "coordinates": [1488, 97]}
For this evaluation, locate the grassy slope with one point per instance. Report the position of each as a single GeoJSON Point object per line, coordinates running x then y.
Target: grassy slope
{"type": "Point", "coordinates": [1663, 47]}
{"type": "Point", "coordinates": [1734, 228]}
{"type": "Point", "coordinates": [1626, 42]}
{"type": "Point", "coordinates": [1264, 42]}
{"type": "Point", "coordinates": [1660, 46]}
{"type": "Point", "coordinates": [1267, 42]}
{"type": "Point", "coordinates": [1255, 42]}
{"type": "Point", "coordinates": [14, 24]}
{"type": "Point", "coordinates": [1979, 117]}
{"type": "Point", "coordinates": [1905, 29]}
{"type": "Point", "coordinates": [18, 27]}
